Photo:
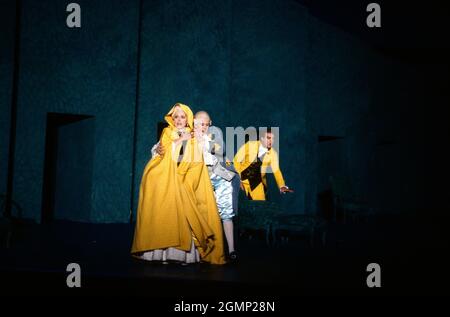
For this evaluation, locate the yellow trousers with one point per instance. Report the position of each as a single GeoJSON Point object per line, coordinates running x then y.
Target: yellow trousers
{"type": "Point", "coordinates": [258, 193]}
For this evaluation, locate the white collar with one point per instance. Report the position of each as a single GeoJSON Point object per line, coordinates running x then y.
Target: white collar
{"type": "Point", "coordinates": [262, 150]}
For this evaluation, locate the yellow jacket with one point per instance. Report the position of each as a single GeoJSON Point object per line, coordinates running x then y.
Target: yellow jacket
{"type": "Point", "coordinates": [247, 154]}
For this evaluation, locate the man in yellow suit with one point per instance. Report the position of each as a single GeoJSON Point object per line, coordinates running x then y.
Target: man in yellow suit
{"type": "Point", "coordinates": [252, 161]}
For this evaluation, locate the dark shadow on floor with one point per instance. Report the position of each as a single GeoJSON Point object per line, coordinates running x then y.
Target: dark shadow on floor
{"type": "Point", "coordinates": [411, 252]}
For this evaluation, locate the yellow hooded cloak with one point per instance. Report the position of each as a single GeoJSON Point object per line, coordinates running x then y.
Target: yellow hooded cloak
{"type": "Point", "coordinates": [176, 200]}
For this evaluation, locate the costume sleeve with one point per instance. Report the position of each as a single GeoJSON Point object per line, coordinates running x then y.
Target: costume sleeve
{"type": "Point", "coordinates": [153, 150]}
{"type": "Point", "coordinates": [167, 137]}
{"type": "Point", "coordinates": [219, 144]}
{"type": "Point", "coordinates": [209, 158]}
{"type": "Point", "coordinates": [239, 158]}
{"type": "Point", "coordinates": [274, 164]}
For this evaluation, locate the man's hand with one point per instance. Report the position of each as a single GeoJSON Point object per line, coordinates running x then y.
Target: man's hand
{"type": "Point", "coordinates": [160, 149]}
{"type": "Point", "coordinates": [285, 189]}
{"type": "Point", "coordinates": [242, 186]}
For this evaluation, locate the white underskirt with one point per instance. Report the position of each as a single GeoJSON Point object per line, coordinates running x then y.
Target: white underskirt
{"type": "Point", "coordinates": [172, 254]}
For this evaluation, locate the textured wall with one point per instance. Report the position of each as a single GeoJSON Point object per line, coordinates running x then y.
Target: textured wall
{"type": "Point", "coordinates": [268, 48]}
{"type": "Point", "coordinates": [185, 58]}
{"type": "Point", "coordinates": [338, 97]}
{"type": "Point", "coordinates": [7, 25]}
{"type": "Point", "coordinates": [240, 61]}
{"type": "Point", "coordinates": [74, 170]}
{"type": "Point", "coordinates": [91, 71]}
{"type": "Point", "coordinates": [400, 92]}
{"type": "Point", "coordinates": [248, 63]}
{"type": "Point", "coordinates": [375, 103]}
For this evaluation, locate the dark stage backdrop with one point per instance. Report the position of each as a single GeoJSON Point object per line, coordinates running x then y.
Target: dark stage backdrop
{"type": "Point", "coordinates": [88, 71]}
{"type": "Point", "coordinates": [7, 22]}
{"type": "Point", "coordinates": [344, 108]}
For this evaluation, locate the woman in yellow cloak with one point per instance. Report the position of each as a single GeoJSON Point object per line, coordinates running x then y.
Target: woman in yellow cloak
{"type": "Point", "coordinates": [177, 217]}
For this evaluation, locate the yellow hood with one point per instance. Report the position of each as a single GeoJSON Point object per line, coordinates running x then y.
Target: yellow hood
{"type": "Point", "coordinates": [187, 111]}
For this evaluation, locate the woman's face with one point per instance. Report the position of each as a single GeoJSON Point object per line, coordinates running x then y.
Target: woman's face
{"type": "Point", "coordinates": [179, 118]}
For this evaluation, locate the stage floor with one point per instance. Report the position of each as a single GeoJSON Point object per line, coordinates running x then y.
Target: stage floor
{"type": "Point", "coordinates": [411, 256]}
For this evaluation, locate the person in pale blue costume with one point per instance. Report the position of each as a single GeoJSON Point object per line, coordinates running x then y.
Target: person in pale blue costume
{"type": "Point", "coordinates": [224, 179]}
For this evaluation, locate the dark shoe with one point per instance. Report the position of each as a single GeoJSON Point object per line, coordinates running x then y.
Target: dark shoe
{"type": "Point", "coordinates": [232, 257]}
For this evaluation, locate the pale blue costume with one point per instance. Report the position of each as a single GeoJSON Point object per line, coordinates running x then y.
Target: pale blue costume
{"type": "Point", "coordinates": [223, 177]}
